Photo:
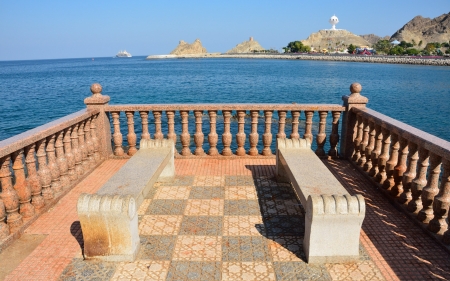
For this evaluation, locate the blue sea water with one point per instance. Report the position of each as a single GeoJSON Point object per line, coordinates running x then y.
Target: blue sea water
{"type": "Point", "coordinates": [33, 93]}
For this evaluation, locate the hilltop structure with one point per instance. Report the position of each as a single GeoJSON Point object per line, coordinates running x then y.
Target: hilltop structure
{"type": "Point", "coordinates": [184, 48]}
{"type": "Point", "coordinates": [246, 47]}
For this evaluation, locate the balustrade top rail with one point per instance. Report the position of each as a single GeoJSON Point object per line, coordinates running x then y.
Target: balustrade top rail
{"type": "Point", "coordinates": [425, 140]}
{"type": "Point", "coordinates": [24, 139]}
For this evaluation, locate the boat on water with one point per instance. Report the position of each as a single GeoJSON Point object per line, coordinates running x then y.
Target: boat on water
{"type": "Point", "coordinates": [123, 54]}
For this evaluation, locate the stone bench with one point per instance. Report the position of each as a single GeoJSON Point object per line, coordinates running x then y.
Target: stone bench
{"type": "Point", "coordinates": [333, 217]}
{"type": "Point", "coordinates": [109, 218]}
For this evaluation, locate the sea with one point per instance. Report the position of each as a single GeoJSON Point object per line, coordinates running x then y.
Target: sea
{"type": "Point", "coordinates": [35, 92]}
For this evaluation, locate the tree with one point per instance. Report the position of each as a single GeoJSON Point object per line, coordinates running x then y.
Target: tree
{"type": "Point", "coordinates": [420, 43]}
{"type": "Point", "coordinates": [413, 42]}
{"type": "Point", "coordinates": [412, 52]}
{"type": "Point", "coordinates": [383, 46]}
{"type": "Point", "coordinates": [297, 46]}
{"type": "Point", "coordinates": [430, 48]}
{"type": "Point", "coordinates": [397, 50]}
{"type": "Point", "coordinates": [351, 49]}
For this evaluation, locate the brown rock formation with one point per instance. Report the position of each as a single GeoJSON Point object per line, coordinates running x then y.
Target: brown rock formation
{"type": "Point", "coordinates": [246, 47]}
{"type": "Point", "coordinates": [184, 48]}
{"type": "Point", "coordinates": [329, 38]}
{"type": "Point", "coordinates": [373, 39]}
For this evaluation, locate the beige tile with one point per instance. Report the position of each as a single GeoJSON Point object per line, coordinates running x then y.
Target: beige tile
{"type": "Point", "coordinates": [160, 225]}
{"type": "Point", "coordinates": [247, 271]}
{"type": "Point", "coordinates": [240, 192]}
{"type": "Point", "coordinates": [242, 225]}
{"type": "Point", "coordinates": [173, 192]}
{"type": "Point", "coordinates": [142, 270]}
{"type": "Point", "coordinates": [363, 270]}
{"type": "Point", "coordinates": [143, 207]}
{"type": "Point", "coordinates": [286, 248]}
{"type": "Point", "coordinates": [198, 248]}
{"type": "Point", "coordinates": [209, 181]}
{"type": "Point", "coordinates": [204, 207]}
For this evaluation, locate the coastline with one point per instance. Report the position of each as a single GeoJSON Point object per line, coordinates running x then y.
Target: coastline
{"type": "Point", "coordinates": [345, 58]}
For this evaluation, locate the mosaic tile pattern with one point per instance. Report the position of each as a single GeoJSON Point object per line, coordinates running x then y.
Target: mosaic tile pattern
{"type": "Point", "coordinates": [166, 207]}
{"type": "Point", "coordinates": [207, 192]}
{"type": "Point", "coordinates": [202, 225]}
{"type": "Point", "coordinates": [293, 271]}
{"type": "Point", "coordinates": [245, 248]}
{"type": "Point", "coordinates": [80, 270]}
{"type": "Point", "coordinates": [194, 270]}
{"type": "Point", "coordinates": [142, 270]}
{"type": "Point", "coordinates": [241, 208]}
{"type": "Point", "coordinates": [157, 247]}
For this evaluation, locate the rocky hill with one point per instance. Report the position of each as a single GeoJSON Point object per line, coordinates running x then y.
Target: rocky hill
{"type": "Point", "coordinates": [372, 38]}
{"type": "Point", "coordinates": [246, 47]}
{"type": "Point", "coordinates": [184, 48]}
{"type": "Point", "coordinates": [425, 29]}
{"type": "Point", "coordinates": [333, 38]}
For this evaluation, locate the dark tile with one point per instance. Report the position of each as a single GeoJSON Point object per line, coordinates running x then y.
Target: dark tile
{"type": "Point", "coordinates": [293, 244]}
{"type": "Point", "coordinates": [202, 225]}
{"type": "Point", "coordinates": [180, 181]}
{"type": "Point", "coordinates": [239, 180]}
{"type": "Point", "coordinates": [80, 269]}
{"type": "Point", "coordinates": [288, 225]}
{"type": "Point", "coordinates": [245, 248]}
{"type": "Point", "coordinates": [194, 270]}
{"type": "Point", "coordinates": [281, 207]}
{"type": "Point", "coordinates": [157, 247]}
{"type": "Point", "coordinates": [241, 208]}
{"type": "Point", "coordinates": [293, 271]}
{"type": "Point", "coordinates": [166, 207]}
{"type": "Point", "coordinates": [207, 192]}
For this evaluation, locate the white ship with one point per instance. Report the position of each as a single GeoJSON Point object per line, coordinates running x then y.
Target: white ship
{"type": "Point", "coordinates": [123, 54]}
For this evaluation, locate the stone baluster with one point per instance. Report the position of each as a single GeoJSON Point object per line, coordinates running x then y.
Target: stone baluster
{"type": "Point", "coordinates": [83, 148]}
{"type": "Point", "coordinates": [61, 161]}
{"type": "Point", "coordinates": [267, 136]}
{"type": "Point", "coordinates": [400, 169]}
{"type": "Point", "coordinates": [334, 136]}
{"type": "Point", "coordinates": [185, 136]}
{"type": "Point", "coordinates": [295, 115]}
{"type": "Point", "coordinates": [144, 122]}
{"type": "Point", "coordinates": [70, 157]}
{"type": "Point", "coordinates": [117, 136]}
{"type": "Point", "coordinates": [308, 126]}
{"type": "Point", "coordinates": [199, 137]}
{"type": "Point", "coordinates": [381, 176]}
{"type": "Point", "coordinates": [441, 203]}
{"type": "Point", "coordinates": [226, 136]}
{"type": "Point", "coordinates": [358, 139]}
{"type": "Point", "coordinates": [95, 140]}
{"type": "Point", "coordinates": [370, 146]}
{"type": "Point", "coordinates": [213, 137]}
{"type": "Point", "coordinates": [321, 136]}
{"type": "Point", "coordinates": [390, 165]}
{"type": "Point", "coordinates": [52, 165]}
{"type": "Point", "coordinates": [77, 152]}
{"type": "Point", "coordinates": [33, 180]}
{"type": "Point", "coordinates": [22, 187]}
{"type": "Point", "coordinates": [9, 196]}
{"type": "Point", "coordinates": [4, 229]}
{"type": "Point", "coordinates": [240, 136]}
{"type": "Point", "coordinates": [376, 151]}
{"type": "Point", "coordinates": [430, 190]}
{"type": "Point", "coordinates": [410, 174]}
{"type": "Point", "coordinates": [131, 136]}
{"type": "Point", "coordinates": [417, 185]}
{"type": "Point", "coordinates": [158, 131]}
{"type": "Point", "coordinates": [281, 124]}
{"type": "Point", "coordinates": [254, 136]}
{"type": "Point", "coordinates": [89, 143]}
{"type": "Point", "coordinates": [171, 127]}
{"type": "Point", "coordinates": [364, 142]}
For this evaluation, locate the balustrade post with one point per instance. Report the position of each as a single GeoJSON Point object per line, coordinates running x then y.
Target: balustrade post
{"type": "Point", "coordinates": [281, 124]}
{"type": "Point", "coordinates": [321, 136]}
{"type": "Point", "coordinates": [240, 136]}
{"type": "Point", "coordinates": [308, 126]}
{"type": "Point", "coordinates": [334, 136]}
{"type": "Point", "coordinates": [430, 190]}
{"type": "Point", "coordinates": [213, 138]}
{"type": "Point", "coordinates": [158, 131]}
{"type": "Point", "coordinates": [381, 176]}
{"type": "Point", "coordinates": [199, 137]}
{"type": "Point", "coordinates": [357, 142]}
{"type": "Point", "coordinates": [131, 136]}
{"type": "Point", "coordinates": [226, 136]}
{"type": "Point", "coordinates": [70, 157]}
{"type": "Point", "coordinates": [76, 152]}
{"type": "Point", "coordinates": [365, 141]}
{"type": "Point", "coordinates": [376, 151]}
{"type": "Point", "coordinates": [4, 229]}
{"type": "Point", "coordinates": [417, 185]}
{"type": "Point", "coordinates": [54, 169]}
{"type": "Point", "coordinates": [83, 148]}
{"type": "Point", "coordinates": [355, 99]}
{"type": "Point", "coordinates": [267, 136]}
{"type": "Point", "coordinates": [254, 136]}
{"type": "Point", "coordinates": [21, 186]}
{"type": "Point", "coordinates": [295, 114]}
{"type": "Point", "coordinates": [9, 196]}
{"type": "Point", "coordinates": [442, 202]}
{"type": "Point", "coordinates": [89, 143]}
{"type": "Point", "coordinates": [95, 140]}
{"type": "Point", "coordinates": [410, 174]}
{"type": "Point", "coordinates": [144, 122]}
{"type": "Point", "coordinates": [171, 127]}
{"type": "Point", "coordinates": [185, 137]}
{"type": "Point", "coordinates": [61, 161]}
{"type": "Point", "coordinates": [400, 169]}
{"type": "Point", "coordinates": [33, 180]}
{"type": "Point", "coordinates": [390, 165]}
{"type": "Point", "coordinates": [370, 147]}
{"type": "Point", "coordinates": [103, 127]}
{"type": "Point", "coordinates": [117, 136]}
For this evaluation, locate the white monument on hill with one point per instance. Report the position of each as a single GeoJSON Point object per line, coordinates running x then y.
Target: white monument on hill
{"type": "Point", "coordinates": [333, 21]}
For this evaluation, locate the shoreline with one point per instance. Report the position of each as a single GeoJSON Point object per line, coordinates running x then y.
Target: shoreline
{"type": "Point", "coordinates": [445, 61]}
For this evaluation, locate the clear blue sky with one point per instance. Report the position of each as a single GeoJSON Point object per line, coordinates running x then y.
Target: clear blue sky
{"type": "Point", "coordinates": [47, 29]}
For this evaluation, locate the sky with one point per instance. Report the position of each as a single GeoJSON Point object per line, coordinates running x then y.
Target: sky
{"type": "Point", "coordinates": [50, 29]}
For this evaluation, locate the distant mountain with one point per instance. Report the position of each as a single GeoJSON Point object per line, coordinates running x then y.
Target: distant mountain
{"type": "Point", "coordinates": [373, 39]}
{"type": "Point", "coordinates": [331, 38]}
{"type": "Point", "coordinates": [246, 47]}
{"type": "Point", "coordinates": [184, 48]}
{"type": "Point", "coordinates": [425, 29]}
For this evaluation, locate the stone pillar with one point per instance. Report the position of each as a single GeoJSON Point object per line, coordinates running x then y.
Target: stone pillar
{"type": "Point", "coordinates": [99, 101]}
{"type": "Point", "coordinates": [349, 119]}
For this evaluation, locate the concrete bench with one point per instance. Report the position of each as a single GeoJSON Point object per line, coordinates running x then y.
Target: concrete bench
{"type": "Point", "coordinates": [333, 217]}
{"type": "Point", "coordinates": [109, 218]}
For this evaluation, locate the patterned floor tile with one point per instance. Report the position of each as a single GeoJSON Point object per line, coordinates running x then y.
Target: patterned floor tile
{"type": "Point", "coordinates": [201, 225]}
{"type": "Point", "coordinates": [240, 193]}
{"type": "Point", "coordinates": [204, 207]}
{"type": "Point", "coordinates": [232, 271]}
{"type": "Point", "coordinates": [207, 192]}
{"type": "Point", "coordinates": [209, 181]}
{"type": "Point", "coordinates": [198, 248]}
{"type": "Point", "coordinates": [239, 181]}
{"type": "Point", "coordinates": [286, 248]}
{"type": "Point", "coordinates": [364, 270]}
{"type": "Point", "coordinates": [243, 226]}
{"type": "Point", "coordinates": [241, 208]}
{"type": "Point", "coordinates": [157, 247]}
{"type": "Point", "coordinates": [293, 271]}
{"type": "Point", "coordinates": [284, 225]}
{"type": "Point", "coordinates": [144, 206]}
{"type": "Point", "coordinates": [142, 270]}
{"type": "Point", "coordinates": [151, 193]}
{"type": "Point", "coordinates": [194, 270]}
{"type": "Point", "coordinates": [173, 192]}
{"type": "Point", "coordinates": [245, 248]}
{"type": "Point", "coordinates": [160, 225]}
{"type": "Point", "coordinates": [166, 207]}
{"type": "Point", "coordinates": [281, 207]}
{"type": "Point", "coordinates": [180, 180]}
{"type": "Point", "coordinates": [275, 193]}
{"type": "Point", "coordinates": [80, 269]}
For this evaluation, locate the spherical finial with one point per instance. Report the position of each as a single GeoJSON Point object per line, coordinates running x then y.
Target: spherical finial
{"type": "Point", "coordinates": [333, 21]}
{"type": "Point", "coordinates": [355, 88]}
{"type": "Point", "coordinates": [96, 89]}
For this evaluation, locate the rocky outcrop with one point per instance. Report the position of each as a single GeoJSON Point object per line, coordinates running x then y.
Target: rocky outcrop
{"type": "Point", "coordinates": [425, 29]}
{"type": "Point", "coordinates": [332, 38]}
{"type": "Point", "coordinates": [373, 39]}
{"type": "Point", "coordinates": [246, 47]}
{"type": "Point", "coordinates": [184, 48]}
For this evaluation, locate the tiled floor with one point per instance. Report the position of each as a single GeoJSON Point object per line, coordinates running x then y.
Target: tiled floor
{"type": "Point", "coordinates": [228, 220]}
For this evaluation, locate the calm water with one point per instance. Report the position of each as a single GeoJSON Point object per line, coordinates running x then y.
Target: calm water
{"type": "Point", "coordinates": [36, 92]}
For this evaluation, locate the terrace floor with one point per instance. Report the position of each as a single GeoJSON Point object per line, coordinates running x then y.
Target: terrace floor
{"type": "Point", "coordinates": [225, 220]}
